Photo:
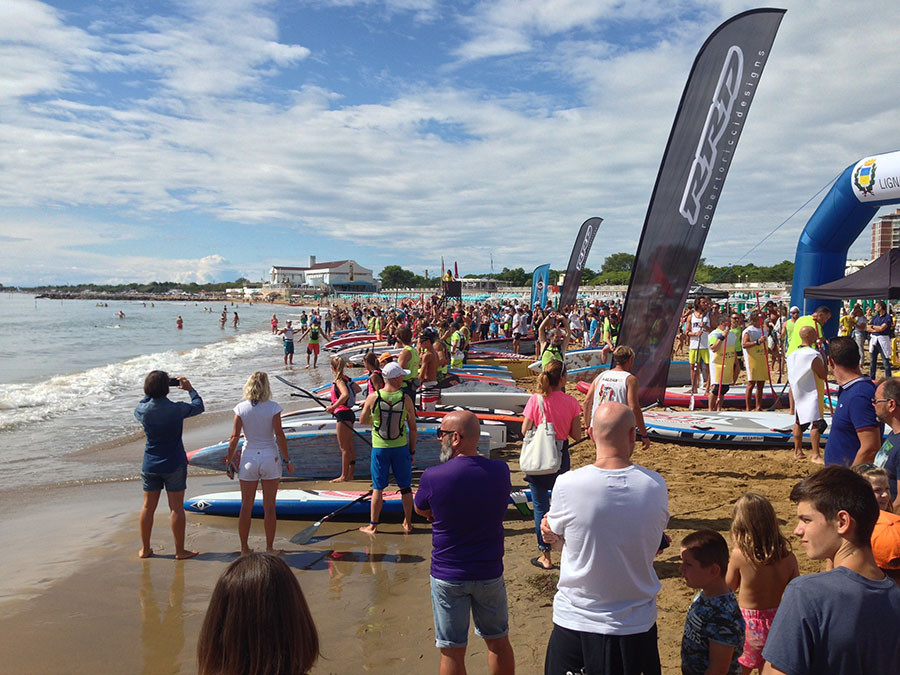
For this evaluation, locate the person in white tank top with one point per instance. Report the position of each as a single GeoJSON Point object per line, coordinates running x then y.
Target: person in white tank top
{"type": "Point", "coordinates": [619, 385]}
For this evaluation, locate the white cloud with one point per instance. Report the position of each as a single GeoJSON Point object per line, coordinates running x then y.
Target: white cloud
{"type": "Point", "coordinates": [454, 168]}
{"type": "Point", "coordinates": [57, 251]}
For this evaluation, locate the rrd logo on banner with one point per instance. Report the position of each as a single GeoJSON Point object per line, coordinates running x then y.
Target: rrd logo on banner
{"type": "Point", "coordinates": [721, 115]}
{"type": "Point", "coordinates": [585, 247]}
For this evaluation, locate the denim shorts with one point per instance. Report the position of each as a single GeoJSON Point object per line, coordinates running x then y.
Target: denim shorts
{"type": "Point", "coordinates": [173, 482]}
{"type": "Point", "coordinates": [451, 602]}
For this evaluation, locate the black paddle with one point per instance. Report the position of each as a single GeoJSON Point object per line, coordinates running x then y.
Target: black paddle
{"type": "Point", "coordinates": [324, 407]}
{"type": "Point", "coordinates": [304, 536]}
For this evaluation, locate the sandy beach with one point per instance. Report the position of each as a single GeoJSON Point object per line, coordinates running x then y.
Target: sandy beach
{"type": "Point", "coordinates": [76, 598]}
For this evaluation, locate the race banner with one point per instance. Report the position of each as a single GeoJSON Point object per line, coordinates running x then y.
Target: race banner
{"type": "Point", "coordinates": [700, 150]}
{"type": "Point", "coordinates": [577, 261]}
{"type": "Point", "coordinates": [540, 282]}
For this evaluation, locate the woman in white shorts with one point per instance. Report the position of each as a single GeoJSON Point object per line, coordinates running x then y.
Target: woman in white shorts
{"type": "Point", "coordinates": [264, 453]}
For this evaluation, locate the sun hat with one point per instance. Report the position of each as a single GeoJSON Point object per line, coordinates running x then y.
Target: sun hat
{"type": "Point", "coordinates": [886, 541]}
{"type": "Point", "coordinates": [795, 309]}
{"type": "Point", "coordinates": [384, 358]}
{"type": "Point", "coordinates": [392, 370]}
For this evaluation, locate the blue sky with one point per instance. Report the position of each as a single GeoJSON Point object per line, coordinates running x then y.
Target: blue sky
{"type": "Point", "coordinates": [201, 141]}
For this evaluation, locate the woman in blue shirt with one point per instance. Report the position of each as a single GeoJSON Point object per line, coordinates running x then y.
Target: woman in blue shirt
{"type": "Point", "coordinates": [165, 463]}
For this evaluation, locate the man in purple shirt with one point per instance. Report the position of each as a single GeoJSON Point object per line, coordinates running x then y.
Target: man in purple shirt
{"type": "Point", "coordinates": [855, 434]}
{"type": "Point", "coordinates": [466, 498]}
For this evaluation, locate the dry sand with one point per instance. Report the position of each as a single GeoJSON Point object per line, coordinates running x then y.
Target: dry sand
{"type": "Point", "coordinates": [76, 599]}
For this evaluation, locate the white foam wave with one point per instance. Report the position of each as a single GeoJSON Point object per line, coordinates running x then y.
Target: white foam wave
{"type": "Point", "coordinates": [32, 402]}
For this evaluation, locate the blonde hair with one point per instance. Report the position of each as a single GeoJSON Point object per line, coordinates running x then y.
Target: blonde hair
{"type": "Point", "coordinates": [868, 471]}
{"type": "Point", "coordinates": [550, 377]}
{"type": "Point", "coordinates": [755, 530]}
{"type": "Point", "coordinates": [257, 388]}
{"type": "Point", "coordinates": [622, 354]}
{"type": "Point", "coordinates": [337, 367]}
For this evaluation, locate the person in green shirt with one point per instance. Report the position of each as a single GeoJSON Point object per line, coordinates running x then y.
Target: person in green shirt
{"type": "Point", "coordinates": [817, 319]}
{"type": "Point", "coordinates": [393, 418]}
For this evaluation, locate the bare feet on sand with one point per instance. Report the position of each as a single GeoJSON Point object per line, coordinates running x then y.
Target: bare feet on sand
{"type": "Point", "coordinates": [799, 455]}
{"type": "Point", "coordinates": [246, 551]}
{"type": "Point", "coordinates": [369, 529]}
{"type": "Point", "coordinates": [274, 551]}
{"type": "Point", "coordinates": [145, 554]}
{"type": "Point", "coordinates": [341, 479]}
{"type": "Point", "coordinates": [817, 459]}
{"type": "Point", "coordinates": [407, 527]}
{"type": "Point", "coordinates": [185, 554]}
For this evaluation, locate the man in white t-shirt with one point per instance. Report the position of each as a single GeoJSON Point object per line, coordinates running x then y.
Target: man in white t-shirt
{"type": "Point", "coordinates": [608, 519]}
{"type": "Point", "coordinates": [698, 349]}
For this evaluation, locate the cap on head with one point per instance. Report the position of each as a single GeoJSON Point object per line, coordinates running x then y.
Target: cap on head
{"type": "Point", "coordinates": [886, 542]}
{"type": "Point", "coordinates": [393, 370]}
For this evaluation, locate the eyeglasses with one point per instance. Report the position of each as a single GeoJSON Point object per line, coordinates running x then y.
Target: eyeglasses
{"type": "Point", "coordinates": [880, 400]}
{"type": "Point", "coordinates": [440, 432]}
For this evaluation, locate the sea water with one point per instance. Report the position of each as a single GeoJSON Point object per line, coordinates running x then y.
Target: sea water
{"type": "Point", "coordinates": [72, 371]}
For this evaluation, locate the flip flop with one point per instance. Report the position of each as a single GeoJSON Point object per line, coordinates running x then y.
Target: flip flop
{"type": "Point", "coordinates": [537, 563]}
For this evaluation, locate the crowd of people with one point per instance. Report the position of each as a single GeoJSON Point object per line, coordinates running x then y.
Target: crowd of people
{"type": "Point", "coordinates": [607, 520]}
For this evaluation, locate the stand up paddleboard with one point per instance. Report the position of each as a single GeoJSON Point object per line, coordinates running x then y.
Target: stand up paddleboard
{"type": "Point", "coordinates": [299, 503]}
{"type": "Point", "coordinates": [316, 454]}
{"type": "Point", "coordinates": [728, 429]}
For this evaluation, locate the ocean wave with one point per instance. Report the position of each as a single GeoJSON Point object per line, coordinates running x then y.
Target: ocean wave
{"type": "Point", "coordinates": [24, 403]}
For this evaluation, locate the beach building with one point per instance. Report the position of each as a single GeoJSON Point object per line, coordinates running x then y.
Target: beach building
{"type": "Point", "coordinates": [885, 234]}
{"type": "Point", "coordinates": [338, 276]}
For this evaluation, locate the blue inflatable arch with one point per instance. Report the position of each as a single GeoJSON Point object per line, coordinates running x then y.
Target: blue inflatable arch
{"type": "Point", "coordinates": [853, 201]}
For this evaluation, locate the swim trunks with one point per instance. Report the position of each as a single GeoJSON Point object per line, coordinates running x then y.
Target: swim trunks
{"type": "Point", "coordinates": [288, 347]}
{"type": "Point", "coordinates": [757, 624]}
{"type": "Point", "coordinates": [698, 355]}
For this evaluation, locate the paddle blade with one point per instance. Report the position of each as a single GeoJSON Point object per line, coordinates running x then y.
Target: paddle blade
{"type": "Point", "coordinates": [304, 536]}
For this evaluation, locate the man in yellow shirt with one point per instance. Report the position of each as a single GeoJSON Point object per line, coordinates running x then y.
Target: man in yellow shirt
{"type": "Point", "coordinates": [817, 319]}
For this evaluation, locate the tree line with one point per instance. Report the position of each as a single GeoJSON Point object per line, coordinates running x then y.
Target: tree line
{"type": "Point", "coordinates": [158, 287]}
{"type": "Point", "coordinates": [616, 270]}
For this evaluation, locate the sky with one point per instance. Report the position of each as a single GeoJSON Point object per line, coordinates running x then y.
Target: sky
{"type": "Point", "coordinates": [195, 140]}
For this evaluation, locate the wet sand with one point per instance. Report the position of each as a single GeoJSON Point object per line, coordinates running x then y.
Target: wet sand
{"type": "Point", "coordinates": [75, 598]}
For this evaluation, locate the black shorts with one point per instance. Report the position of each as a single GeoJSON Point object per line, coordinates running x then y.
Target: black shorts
{"type": "Point", "coordinates": [821, 425]}
{"type": "Point", "coordinates": [725, 388]}
{"type": "Point", "coordinates": [572, 651]}
{"type": "Point", "coordinates": [345, 416]}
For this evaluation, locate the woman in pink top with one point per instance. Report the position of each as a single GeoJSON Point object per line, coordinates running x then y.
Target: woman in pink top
{"type": "Point", "coordinates": [564, 412]}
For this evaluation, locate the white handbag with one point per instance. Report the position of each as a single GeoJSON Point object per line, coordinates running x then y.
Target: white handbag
{"type": "Point", "coordinates": [541, 452]}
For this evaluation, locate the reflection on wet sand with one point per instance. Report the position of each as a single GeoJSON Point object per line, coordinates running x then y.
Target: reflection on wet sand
{"type": "Point", "coordinates": [162, 633]}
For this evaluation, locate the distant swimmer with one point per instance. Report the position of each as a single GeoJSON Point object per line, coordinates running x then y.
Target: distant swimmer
{"type": "Point", "coordinates": [235, 321]}
{"type": "Point", "coordinates": [120, 314]}
{"type": "Point", "coordinates": [223, 318]}
{"type": "Point", "coordinates": [274, 324]}
{"type": "Point", "coordinates": [179, 322]}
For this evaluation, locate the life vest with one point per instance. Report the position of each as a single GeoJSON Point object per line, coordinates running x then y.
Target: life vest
{"type": "Point", "coordinates": [551, 353]}
{"type": "Point", "coordinates": [336, 394]}
{"type": "Point", "coordinates": [314, 335]}
{"type": "Point", "coordinates": [389, 420]}
{"type": "Point", "coordinates": [412, 365]}
{"type": "Point", "coordinates": [372, 388]}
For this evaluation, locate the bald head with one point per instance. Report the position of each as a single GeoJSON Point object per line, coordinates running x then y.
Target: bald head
{"type": "Point", "coordinates": [613, 430]}
{"type": "Point", "coordinates": [808, 336]}
{"type": "Point", "coordinates": [467, 430]}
